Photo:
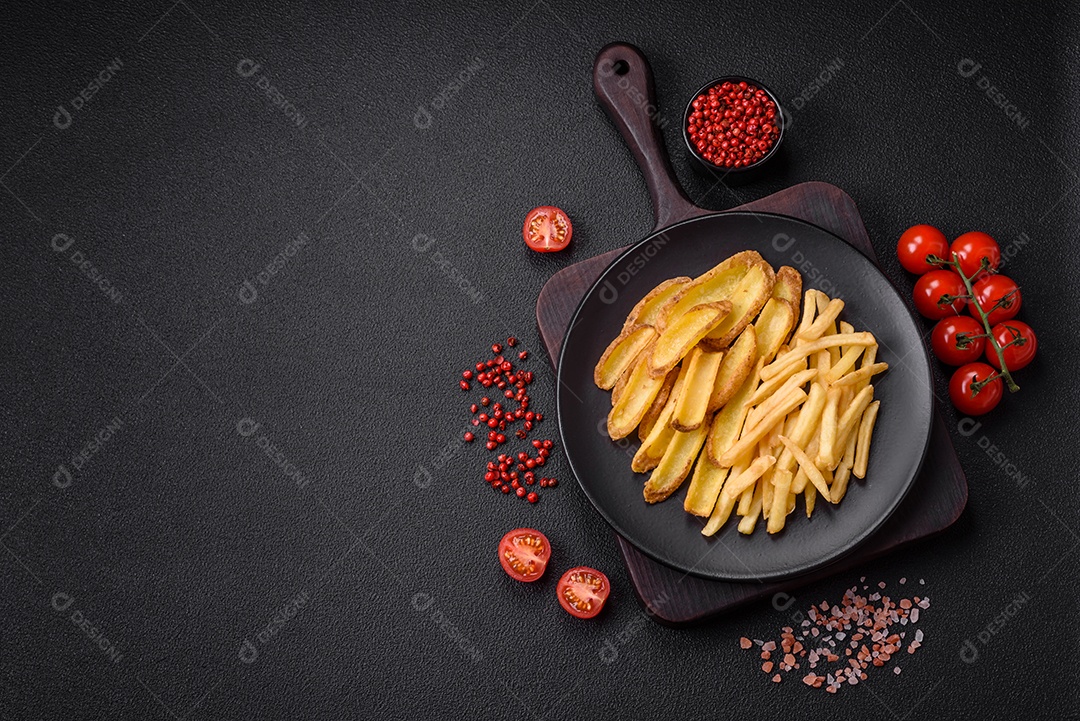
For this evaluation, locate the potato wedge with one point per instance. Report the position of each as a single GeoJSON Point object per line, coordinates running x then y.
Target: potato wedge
{"type": "Point", "coordinates": [675, 465]}
{"type": "Point", "coordinates": [683, 334]}
{"type": "Point", "coordinates": [693, 401]}
{"type": "Point", "coordinates": [655, 444]}
{"type": "Point", "coordinates": [620, 354]}
{"type": "Point", "coordinates": [734, 369]}
{"type": "Point", "coordinates": [788, 287]}
{"type": "Point", "coordinates": [634, 401]}
{"type": "Point", "coordinates": [705, 485]}
{"type": "Point", "coordinates": [649, 419]}
{"type": "Point", "coordinates": [650, 308]}
{"type": "Point", "coordinates": [728, 422]}
{"type": "Point", "coordinates": [716, 284]}
{"type": "Point", "coordinates": [773, 326]}
{"type": "Point", "coordinates": [747, 300]}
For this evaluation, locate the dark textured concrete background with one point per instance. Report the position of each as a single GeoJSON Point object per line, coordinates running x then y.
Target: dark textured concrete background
{"type": "Point", "coordinates": [222, 137]}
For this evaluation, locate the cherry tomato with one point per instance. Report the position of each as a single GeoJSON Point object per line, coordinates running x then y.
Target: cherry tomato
{"type": "Point", "coordinates": [991, 289]}
{"type": "Point", "coordinates": [524, 554]}
{"type": "Point", "coordinates": [952, 332]}
{"type": "Point", "coordinates": [916, 243]}
{"type": "Point", "coordinates": [971, 248]}
{"type": "Point", "coordinates": [547, 229]}
{"type": "Point", "coordinates": [582, 591]}
{"type": "Point", "coordinates": [962, 396]}
{"type": "Point", "coordinates": [1017, 354]}
{"type": "Point", "coordinates": [929, 289]}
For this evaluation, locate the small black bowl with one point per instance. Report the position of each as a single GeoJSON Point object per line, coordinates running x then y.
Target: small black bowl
{"type": "Point", "coordinates": [733, 176]}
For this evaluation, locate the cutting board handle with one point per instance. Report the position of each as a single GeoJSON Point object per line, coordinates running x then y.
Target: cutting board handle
{"type": "Point", "coordinates": [623, 82]}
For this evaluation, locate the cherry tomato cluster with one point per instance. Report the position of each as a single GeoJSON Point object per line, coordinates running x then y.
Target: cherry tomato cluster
{"type": "Point", "coordinates": [524, 555]}
{"type": "Point", "coordinates": [963, 276]}
{"type": "Point", "coordinates": [509, 473]}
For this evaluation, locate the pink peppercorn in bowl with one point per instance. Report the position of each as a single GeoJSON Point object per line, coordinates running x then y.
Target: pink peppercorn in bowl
{"type": "Point", "coordinates": [732, 127]}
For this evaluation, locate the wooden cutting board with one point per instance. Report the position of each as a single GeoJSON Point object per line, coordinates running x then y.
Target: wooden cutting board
{"type": "Point", "coordinates": [935, 501]}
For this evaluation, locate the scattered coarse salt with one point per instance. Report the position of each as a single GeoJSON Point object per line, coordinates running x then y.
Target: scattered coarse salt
{"type": "Point", "coordinates": [903, 581]}
{"type": "Point", "coordinates": [922, 582]}
{"type": "Point", "coordinates": [873, 623]}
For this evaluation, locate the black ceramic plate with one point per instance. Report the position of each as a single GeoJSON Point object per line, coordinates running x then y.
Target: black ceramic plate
{"type": "Point", "coordinates": [664, 531]}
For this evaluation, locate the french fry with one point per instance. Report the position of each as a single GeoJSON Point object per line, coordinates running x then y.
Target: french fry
{"type": "Point", "coordinates": [635, 399]}
{"type": "Point", "coordinates": [766, 493]}
{"type": "Point", "coordinates": [807, 466]}
{"type": "Point", "coordinates": [849, 421]}
{"type": "Point", "coordinates": [650, 308]}
{"type": "Point", "coordinates": [716, 284]}
{"type": "Point", "coordinates": [802, 432]}
{"type": "Point", "coordinates": [823, 321]}
{"type": "Point", "coordinates": [843, 473]}
{"type": "Point", "coordinates": [847, 361]}
{"type": "Point", "coordinates": [675, 465]}
{"type": "Point", "coordinates": [767, 389]}
{"type": "Point", "coordinates": [809, 310]}
{"type": "Point", "coordinates": [749, 296]}
{"type": "Point", "coordinates": [649, 419]}
{"type": "Point", "coordinates": [798, 484]}
{"type": "Point", "coordinates": [811, 498]}
{"type": "Point", "coordinates": [620, 354]}
{"type": "Point", "coordinates": [749, 519]}
{"type": "Point", "coordinates": [728, 423]}
{"type": "Point", "coordinates": [736, 365]}
{"type": "Point", "coordinates": [683, 334]}
{"type": "Point", "coordinates": [868, 361]}
{"type": "Point", "coordinates": [736, 484]}
{"type": "Point", "coordinates": [721, 513]}
{"type": "Point", "coordinates": [797, 380]}
{"type": "Point", "coordinates": [693, 400]}
{"type": "Point", "coordinates": [830, 420]}
{"type": "Point", "coordinates": [862, 445]}
{"type": "Point", "coordinates": [801, 351]}
{"type": "Point", "coordinates": [858, 379]}
{"type": "Point", "coordinates": [748, 440]}
{"type": "Point", "coordinates": [778, 514]}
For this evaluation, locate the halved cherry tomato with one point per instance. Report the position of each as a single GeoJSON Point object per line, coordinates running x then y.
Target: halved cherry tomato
{"type": "Point", "coordinates": [951, 333]}
{"type": "Point", "coordinates": [916, 243]}
{"type": "Point", "coordinates": [1018, 344]}
{"type": "Point", "coordinates": [931, 287]}
{"type": "Point", "coordinates": [582, 591]}
{"type": "Point", "coordinates": [547, 229]}
{"type": "Point", "coordinates": [524, 554]}
{"type": "Point", "coordinates": [971, 248]}
{"type": "Point", "coordinates": [994, 288]}
{"type": "Point", "coordinates": [965, 399]}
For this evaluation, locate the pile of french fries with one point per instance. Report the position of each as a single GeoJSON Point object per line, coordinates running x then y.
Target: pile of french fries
{"type": "Point", "coordinates": [721, 370]}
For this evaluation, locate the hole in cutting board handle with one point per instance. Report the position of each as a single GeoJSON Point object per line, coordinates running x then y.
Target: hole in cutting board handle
{"type": "Point", "coordinates": [620, 67]}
